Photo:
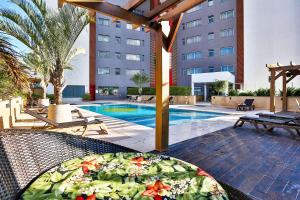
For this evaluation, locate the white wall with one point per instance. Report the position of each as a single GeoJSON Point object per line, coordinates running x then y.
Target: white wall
{"type": "Point", "coordinates": [80, 73]}
{"type": "Point", "coordinates": [272, 34]}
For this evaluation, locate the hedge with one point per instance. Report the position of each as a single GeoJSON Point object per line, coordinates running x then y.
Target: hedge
{"type": "Point", "coordinates": [174, 91]}
{"type": "Point", "coordinates": [264, 92]}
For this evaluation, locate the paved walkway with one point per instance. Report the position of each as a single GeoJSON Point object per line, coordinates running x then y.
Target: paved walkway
{"type": "Point", "coordinates": [262, 166]}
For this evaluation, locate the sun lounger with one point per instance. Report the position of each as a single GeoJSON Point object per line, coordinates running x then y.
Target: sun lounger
{"type": "Point", "coordinates": [247, 105]}
{"type": "Point", "coordinates": [148, 100]}
{"type": "Point", "coordinates": [84, 123]}
{"type": "Point", "coordinates": [171, 100]}
{"type": "Point", "coordinates": [269, 124]}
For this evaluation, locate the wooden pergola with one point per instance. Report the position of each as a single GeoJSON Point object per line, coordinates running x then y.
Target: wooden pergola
{"type": "Point", "coordinates": [168, 10]}
{"type": "Point", "coordinates": [288, 73]}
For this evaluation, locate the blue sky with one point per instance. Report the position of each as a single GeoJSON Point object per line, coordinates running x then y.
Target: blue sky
{"type": "Point", "coordinates": [19, 46]}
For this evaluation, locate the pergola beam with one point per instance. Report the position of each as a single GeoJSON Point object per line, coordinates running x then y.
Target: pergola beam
{"type": "Point", "coordinates": [180, 8]}
{"type": "Point", "coordinates": [161, 8]}
{"type": "Point", "coordinates": [115, 11]}
{"type": "Point", "coordinates": [174, 30]}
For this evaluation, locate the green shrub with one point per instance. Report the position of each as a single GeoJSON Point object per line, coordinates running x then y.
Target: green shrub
{"type": "Point", "coordinates": [262, 92]}
{"type": "Point", "coordinates": [148, 91]}
{"type": "Point", "coordinates": [133, 91]}
{"type": "Point", "coordinates": [50, 97]}
{"type": "Point", "coordinates": [86, 97]}
{"type": "Point", "coordinates": [297, 92]}
{"type": "Point", "coordinates": [247, 93]}
{"type": "Point", "coordinates": [174, 91]}
{"type": "Point", "coordinates": [233, 93]}
{"type": "Point", "coordinates": [180, 91]}
{"type": "Point", "coordinates": [36, 96]}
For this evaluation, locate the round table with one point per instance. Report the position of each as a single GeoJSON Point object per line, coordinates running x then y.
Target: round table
{"type": "Point", "coordinates": [125, 176]}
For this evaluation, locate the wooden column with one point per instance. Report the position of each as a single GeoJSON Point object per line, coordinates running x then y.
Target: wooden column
{"type": "Point", "coordinates": [284, 93]}
{"type": "Point", "coordinates": [272, 91]}
{"type": "Point", "coordinates": [162, 95]}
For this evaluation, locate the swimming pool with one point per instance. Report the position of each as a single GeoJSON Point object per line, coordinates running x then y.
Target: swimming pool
{"type": "Point", "coordinates": [145, 115]}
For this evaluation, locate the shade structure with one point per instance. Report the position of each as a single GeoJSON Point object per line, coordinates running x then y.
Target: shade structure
{"type": "Point", "coordinates": [288, 73]}
{"type": "Point", "coordinates": [167, 10]}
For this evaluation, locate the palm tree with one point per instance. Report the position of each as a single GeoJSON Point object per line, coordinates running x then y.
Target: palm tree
{"type": "Point", "coordinates": [13, 75]}
{"type": "Point", "coordinates": [65, 27]}
{"type": "Point", "coordinates": [41, 66]}
{"type": "Point", "coordinates": [48, 35]}
{"type": "Point", "coordinates": [140, 79]}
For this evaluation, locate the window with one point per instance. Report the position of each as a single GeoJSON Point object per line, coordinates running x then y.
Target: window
{"type": "Point", "coordinates": [129, 26]}
{"type": "Point", "coordinates": [103, 71]}
{"type": "Point", "coordinates": [196, 70]}
{"type": "Point", "coordinates": [223, 1]}
{"type": "Point", "coordinates": [117, 71]}
{"type": "Point", "coordinates": [183, 41]}
{"type": "Point", "coordinates": [103, 54]}
{"type": "Point", "coordinates": [198, 91]}
{"type": "Point", "coordinates": [135, 42]}
{"type": "Point", "coordinates": [196, 8]}
{"type": "Point", "coordinates": [108, 91]}
{"type": "Point", "coordinates": [194, 39]}
{"type": "Point", "coordinates": [210, 2]}
{"type": "Point", "coordinates": [118, 24]}
{"type": "Point", "coordinates": [134, 57]}
{"type": "Point", "coordinates": [225, 51]}
{"type": "Point", "coordinates": [103, 38]}
{"type": "Point", "coordinates": [103, 22]}
{"type": "Point", "coordinates": [192, 56]}
{"type": "Point", "coordinates": [227, 14]}
{"type": "Point", "coordinates": [118, 40]}
{"type": "Point", "coordinates": [227, 32]}
{"type": "Point", "coordinates": [190, 71]}
{"type": "Point", "coordinates": [211, 52]}
{"type": "Point", "coordinates": [132, 72]}
{"type": "Point", "coordinates": [192, 24]}
{"type": "Point", "coordinates": [211, 69]}
{"type": "Point", "coordinates": [227, 68]}
{"type": "Point", "coordinates": [211, 19]}
{"type": "Point", "coordinates": [211, 36]}
{"type": "Point", "coordinates": [118, 55]}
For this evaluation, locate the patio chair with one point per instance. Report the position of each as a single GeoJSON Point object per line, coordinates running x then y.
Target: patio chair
{"type": "Point", "coordinates": [247, 105]}
{"type": "Point", "coordinates": [171, 100]}
{"type": "Point", "coordinates": [84, 123]}
{"type": "Point", "coordinates": [270, 124]}
{"type": "Point", "coordinates": [148, 100]}
{"type": "Point", "coordinates": [133, 99]}
{"type": "Point", "coordinates": [298, 103]}
{"type": "Point", "coordinates": [25, 154]}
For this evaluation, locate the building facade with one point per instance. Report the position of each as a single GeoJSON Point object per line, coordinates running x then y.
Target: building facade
{"type": "Point", "coordinates": [122, 50]}
{"type": "Point", "coordinates": [207, 42]}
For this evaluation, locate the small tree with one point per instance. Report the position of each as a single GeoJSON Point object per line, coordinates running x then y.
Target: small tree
{"type": "Point", "coordinates": [220, 87]}
{"type": "Point", "coordinates": [140, 79]}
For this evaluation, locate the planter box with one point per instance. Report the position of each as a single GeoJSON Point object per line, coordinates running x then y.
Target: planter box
{"type": "Point", "coordinates": [60, 113]}
{"type": "Point", "coordinates": [259, 102]}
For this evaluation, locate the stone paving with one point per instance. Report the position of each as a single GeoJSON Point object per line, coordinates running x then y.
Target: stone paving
{"type": "Point", "coordinates": [260, 165]}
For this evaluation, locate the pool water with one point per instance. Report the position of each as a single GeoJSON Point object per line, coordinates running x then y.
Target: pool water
{"type": "Point", "coordinates": [145, 115]}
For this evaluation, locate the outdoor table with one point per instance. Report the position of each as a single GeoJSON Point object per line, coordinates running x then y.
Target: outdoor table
{"type": "Point", "coordinates": [124, 176]}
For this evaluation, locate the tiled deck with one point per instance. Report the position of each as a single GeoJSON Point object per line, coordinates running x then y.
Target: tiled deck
{"type": "Point", "coordinates": [260, 165]}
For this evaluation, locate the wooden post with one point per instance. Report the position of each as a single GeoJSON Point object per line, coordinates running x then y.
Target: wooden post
{"type": "Point", "coordinates": [162, 95]}
{"type": "Point", "coordinates": [272, 91]}
{"type": "Point", "coordinates": [284, 93]}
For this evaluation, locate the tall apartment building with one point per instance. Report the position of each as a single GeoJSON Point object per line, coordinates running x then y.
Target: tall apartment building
{"type": "Point", "coordinates": [121, 52]}
{"type": "Point", "coordinates": [207, 42]}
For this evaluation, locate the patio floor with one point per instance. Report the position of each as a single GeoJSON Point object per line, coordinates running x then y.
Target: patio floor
{"type": "Point", "coordinates": [262, 166]}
